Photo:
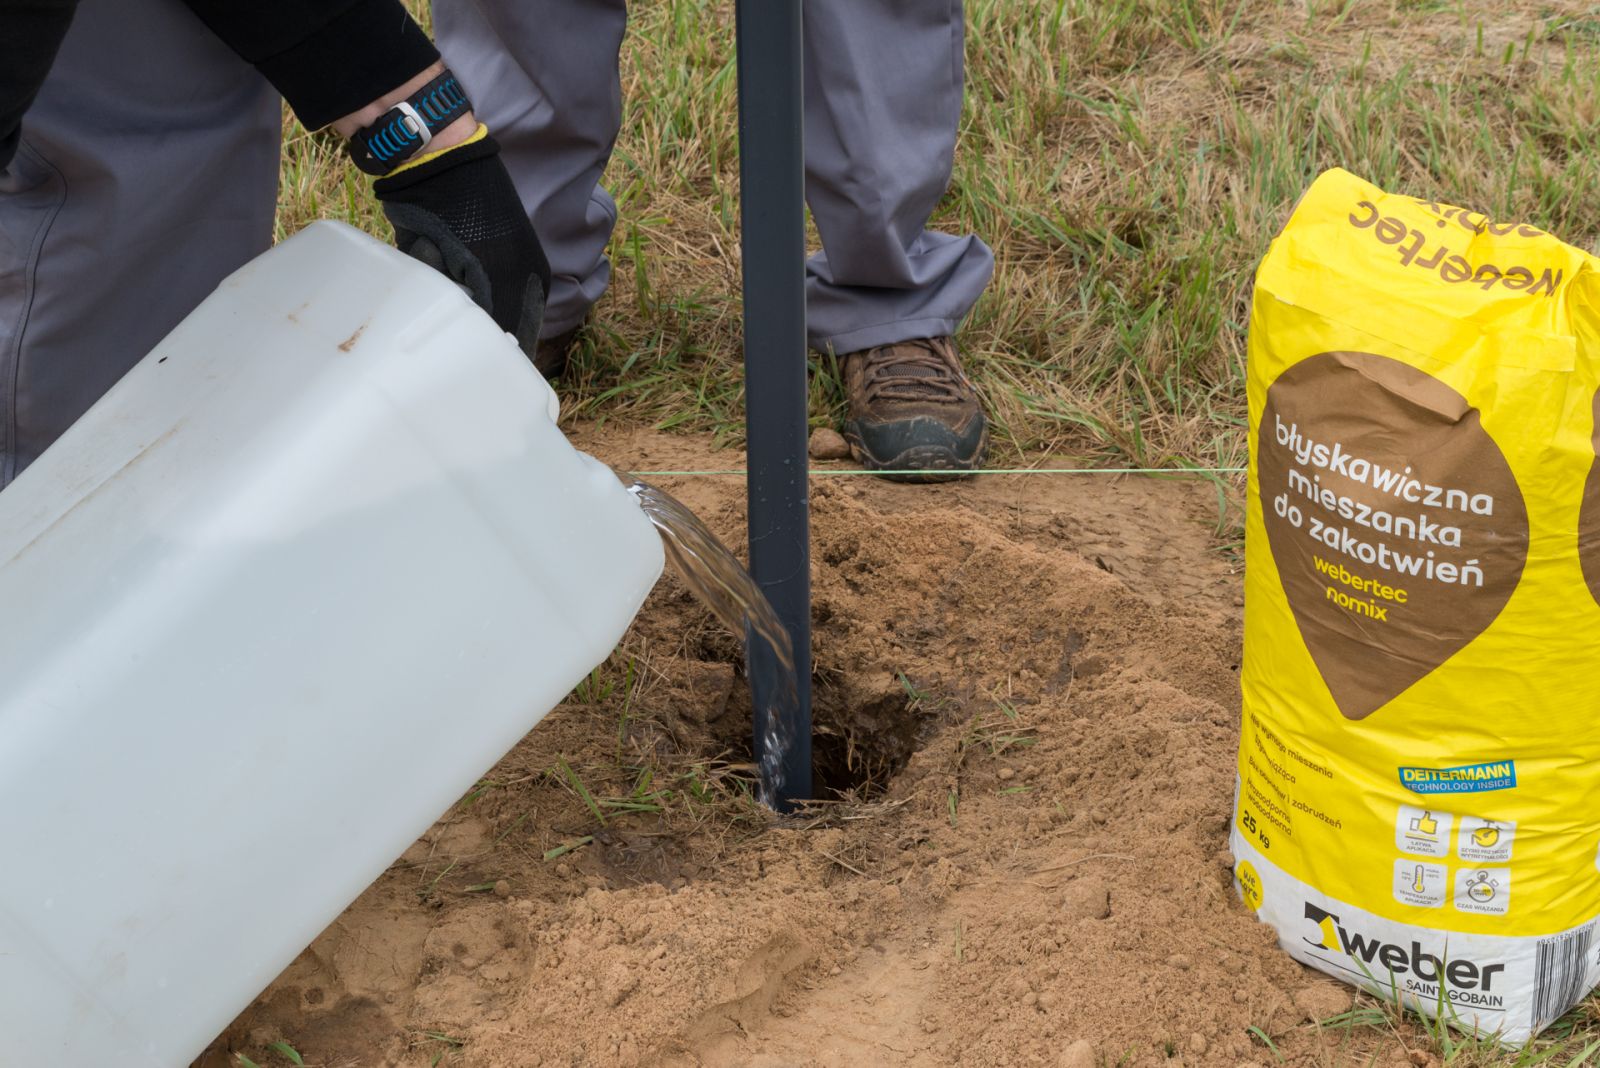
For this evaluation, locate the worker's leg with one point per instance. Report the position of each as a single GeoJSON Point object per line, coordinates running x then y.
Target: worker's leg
{"type": "Point", "coordinates": [148, 172]}
{"type": "Point", "coordinates": [543, 74]}
{"type": "Point", "coordinates": [882, 107]}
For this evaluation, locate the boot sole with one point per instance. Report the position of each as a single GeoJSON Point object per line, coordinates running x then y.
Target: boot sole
{"type": "Point", "coordinates": [919, 463]}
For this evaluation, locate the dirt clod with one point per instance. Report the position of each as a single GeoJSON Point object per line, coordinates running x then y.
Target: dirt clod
{"type": "Point", "coordinates": [1087, 898]}
{"type": "Point", "coordinates": [1321, 1001]}
{"type": "Point", "coordinates": [1079, 1054]}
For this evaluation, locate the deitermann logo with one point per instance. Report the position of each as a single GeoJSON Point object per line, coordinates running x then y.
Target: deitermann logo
{"type": "Point", "coordinates": [1378, 957]}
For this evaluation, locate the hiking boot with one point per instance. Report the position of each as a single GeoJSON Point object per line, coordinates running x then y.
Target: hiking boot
{"type": "Point", "coordinates": [550, 358]}
{"type": "Point", "coordinates": [913, 410]}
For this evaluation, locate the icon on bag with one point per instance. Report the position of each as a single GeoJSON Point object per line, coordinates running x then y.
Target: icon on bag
{"type": "Point", "coordinates": [1481, 888]}
{"type": "Point", "coordinates": [1420, 884]}
{"type": "Point", "coordinates": [1424, 832]}
{"type": "Point", "coordinates": [1486, 841]}
{"type": "Point", "coordinates": [1425, 824]}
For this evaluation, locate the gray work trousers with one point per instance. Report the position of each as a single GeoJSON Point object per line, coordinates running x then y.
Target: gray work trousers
{"type": "Point", "coordinates": [149, 166]}
{"type": "Point", "coordinates": [882, 107]}
{"type": "Point", "coordinates": [148, 172]}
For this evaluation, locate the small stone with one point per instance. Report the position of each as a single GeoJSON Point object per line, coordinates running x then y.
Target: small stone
{"type": "Point", "coordinates": [1322, 1000]}
{"type": "Point", "coordinates": [828, 444]}
{"type": "Point", "coordinates": [563, 871]}
{"type": "Point", "coordinates": [1078, 1055]}
{"type": "Point", "coordinates": [502, 888]}
{"type": "Point", "coordinates": [1422, 1058]}
{"type": "Point", "coordinates": [1179, 961]}
{"type": "Point", "coordinates": [835, 970]}
{"type": "Point", "coordinates": [1007, 773]}
{"type": "Point", "coordinates": [1198, 1044]}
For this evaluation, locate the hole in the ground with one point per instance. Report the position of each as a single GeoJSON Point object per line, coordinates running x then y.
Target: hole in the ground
{"type": "Point", "coordinates": [860, 740]}
{"type": "Point", "coordinates": [862, 748]}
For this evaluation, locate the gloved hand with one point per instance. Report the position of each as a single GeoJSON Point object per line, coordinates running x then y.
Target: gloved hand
{"type": "Point", "coordinates": [458, 212]}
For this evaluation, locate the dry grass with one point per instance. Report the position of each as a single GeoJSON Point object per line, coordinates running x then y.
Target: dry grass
{"type": "Point", "coordinates": [1129, 160]}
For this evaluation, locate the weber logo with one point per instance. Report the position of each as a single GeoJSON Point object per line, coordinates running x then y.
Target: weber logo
{"type": "Point", "coordinates": [1410, 967]}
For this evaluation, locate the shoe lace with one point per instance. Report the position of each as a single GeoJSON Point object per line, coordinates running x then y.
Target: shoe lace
{"type": "Point", "coordinates": [924, 369]}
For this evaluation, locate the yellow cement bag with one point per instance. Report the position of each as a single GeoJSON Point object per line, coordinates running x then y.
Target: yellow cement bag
{"type": "Point", "coordinates": [1419, 767]}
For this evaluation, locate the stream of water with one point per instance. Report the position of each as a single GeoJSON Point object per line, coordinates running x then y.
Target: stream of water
{"type": "Point", "coordinates": [715, 576]}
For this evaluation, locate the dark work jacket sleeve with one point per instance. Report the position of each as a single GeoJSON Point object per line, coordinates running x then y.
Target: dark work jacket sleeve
{"type": "Point", "coordinates": [30, 35]}
{"type": "Point", "coordinates": [327, 57]}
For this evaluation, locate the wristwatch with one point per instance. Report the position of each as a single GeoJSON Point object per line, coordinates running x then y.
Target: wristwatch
{"type": "Point", "coordinates": [403, 131]}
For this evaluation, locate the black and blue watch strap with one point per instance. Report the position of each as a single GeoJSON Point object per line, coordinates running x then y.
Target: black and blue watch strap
{"type": "Point", "coordinates": [403, 131]}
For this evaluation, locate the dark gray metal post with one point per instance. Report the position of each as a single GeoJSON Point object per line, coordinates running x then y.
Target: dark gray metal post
{"type": "Point", "coordinates": [773, 240]}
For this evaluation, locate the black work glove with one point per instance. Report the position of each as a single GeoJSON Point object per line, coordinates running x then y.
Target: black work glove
{"type": "Point", "coordinates": [459, 213]}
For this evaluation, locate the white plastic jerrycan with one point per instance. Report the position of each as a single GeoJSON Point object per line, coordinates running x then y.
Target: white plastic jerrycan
{"type": "Point", "coordinates": [269, 609]}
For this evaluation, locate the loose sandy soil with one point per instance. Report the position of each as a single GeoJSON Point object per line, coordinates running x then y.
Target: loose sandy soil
{"type": "Point", "coordinates": [1044, 881]}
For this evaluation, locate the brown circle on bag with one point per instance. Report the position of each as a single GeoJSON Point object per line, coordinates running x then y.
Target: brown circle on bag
{"type": "Point", "coordinates": [1397, 527]}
